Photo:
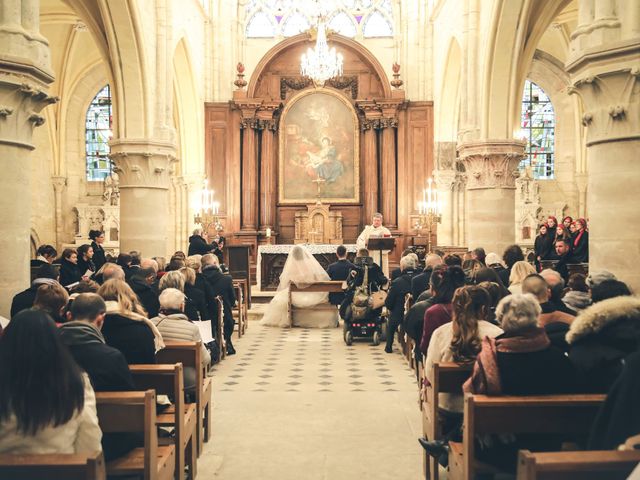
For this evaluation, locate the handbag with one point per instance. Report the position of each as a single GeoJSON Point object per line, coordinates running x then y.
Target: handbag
{"type": "Point", "coordinates": [377, 299]}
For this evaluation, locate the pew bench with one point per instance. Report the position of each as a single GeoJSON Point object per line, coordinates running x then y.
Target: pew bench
{"type": "Point", "coordinates": [329, 286]}
{"type": "Point", "coordinates": [448, 377]}
{"type": "Point", "coordinates": [588, 465]}
{"type": "Point", "coordinates": [169, 380]}
{"type": "Point", "coordinates": [544, 414]}
{"type": "Point", "coordinates": [240, 310]}
{"type": "Point", "coordinates": [188, 353]}
{"type": "Point", "coordinates": [53, 467]}
{"type": "Point", "coordinates": [135, 412]}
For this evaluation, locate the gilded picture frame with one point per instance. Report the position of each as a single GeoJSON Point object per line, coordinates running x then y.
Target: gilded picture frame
{"type": "Point", "coordinates": [319, 145]}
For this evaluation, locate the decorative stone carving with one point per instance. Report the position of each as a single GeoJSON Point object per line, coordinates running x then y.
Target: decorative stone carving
{"type": "Point", "coordinates": [445, 155]}
{"type": "Point", "coordinates": [240, 82]}
{"type": "Point", "coordinates": [396, 82]}
{"type": "Point", "coordinates": [142, 169]}
{"type": "Point", "coordinates": [299, 83]}
{"type": "Point", "coordinates": [98, 217]}
{"type": "Point", "coordinates": [111, 194]}
{"type": "Point", "coordinates": [318, 224]}
{"type": "Point", "coordinates": [528, 208]}
{"type": "Point", "coordinates": [492, 164]}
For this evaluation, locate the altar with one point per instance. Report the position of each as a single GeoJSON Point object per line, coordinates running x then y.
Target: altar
{"type": "Point", "coordinates": [271, 260]}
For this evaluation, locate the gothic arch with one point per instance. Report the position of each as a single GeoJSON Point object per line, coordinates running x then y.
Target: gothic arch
{"type": "Point", "coordinates": [447, 107]}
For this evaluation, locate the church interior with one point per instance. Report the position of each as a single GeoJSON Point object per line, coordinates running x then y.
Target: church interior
{"type": "Point", "coordinates": [465, 124]}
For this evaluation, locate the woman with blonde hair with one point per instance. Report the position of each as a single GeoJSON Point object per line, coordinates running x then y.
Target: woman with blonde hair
{"type": "Point", "coordinates": [519, 272]}
{"type": "Point", "coordinates": [126, 326]}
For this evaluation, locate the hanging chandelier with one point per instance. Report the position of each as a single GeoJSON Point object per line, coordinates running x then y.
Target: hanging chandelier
{"type": "Point", "coordinates": [321, 63]}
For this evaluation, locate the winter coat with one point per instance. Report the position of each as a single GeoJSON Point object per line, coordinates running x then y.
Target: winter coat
{"type": "Point", "coordinates": [552, 315]}
{"type": "Point", "coordinates": [81, 434]}
{"type": "Point", "coordinates": [338, 271]}
{"type": "Point", "coordinates": [176, 327]}
{"type": "Point", "coordinates": [69, 273]}
{"type": "Point", "coordinates": [84, 265]}
{"type": "Point", "coordinates": [577, 301]}
{"type": "Point", "coordinates": [147, 294]}
{"type": "Point", "coordinates": [99, 257]}
{"type": "Point", "coordinates": [106, 366]}
{"type": "Point", "coordinates": [580, 252]}
{"type": "Point", "coordinates": [134, 338]}
{"type": "Point", "coordinates": [196, 305]}
{"type": "Point", "coordinates": [420, 283]}
{"type": "Point", "coordinates": [543, 246]}
{"type": "Point", "coordinates": [199, 246]}
{"type": "Point", "coordinates": [222, 284]}
{"type": "Point", "coordinates": [602, 336]}
{"type": "Point", "coordinates": [399, 288]}
{"type": "Point", "coordinates": [434, 317]}
{"type": "Point", "coordinates": [414, 319]}
{"type": "Point", "coordinates": [25, 299]}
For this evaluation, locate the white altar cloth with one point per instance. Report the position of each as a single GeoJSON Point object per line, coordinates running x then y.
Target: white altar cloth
{"type": "Point", "coordinates": [313, 248]}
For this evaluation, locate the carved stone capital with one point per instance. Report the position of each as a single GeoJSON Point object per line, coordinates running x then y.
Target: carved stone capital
{"type": "Point", "coordinates": [59, 183]}
{"type": "Point", "coordinates": [445, 155]}
{"type": "Point", "coordinates": [492, 163]}
{"type": "Point", "coordinates": [143, 164]}
{"type": "Point", "coordinates": [444, 179]}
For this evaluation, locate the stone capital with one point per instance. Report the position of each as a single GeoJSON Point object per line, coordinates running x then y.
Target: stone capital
{"type": "Point", "coordinates": [143, 163]}
{"type": "Point", "coordinates": [491, 164]}
{"type": "Point", "coordinates": [444, 179]}
{"type": "Point", "coordinates": [59, 182]}
{"type": "Point", "coordinates": [445, 155]}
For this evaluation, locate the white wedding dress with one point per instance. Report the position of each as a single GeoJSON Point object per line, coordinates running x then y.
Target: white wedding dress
{"type": "Point", "coordinates": [301, 269]}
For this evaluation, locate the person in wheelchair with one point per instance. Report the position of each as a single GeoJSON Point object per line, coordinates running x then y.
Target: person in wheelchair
{"type": "Point", "coordinates": [365, 278]}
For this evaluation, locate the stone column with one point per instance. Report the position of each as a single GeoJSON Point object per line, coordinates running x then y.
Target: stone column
{"type": "Point", "coordinates": [25, 72]}
{"type": "Point", "coordinates": [605, 73]}
{"type": "Point", "coordinates": [491, 169]}
{"type": "Point", "coordinates": [144, 168]}
{"type": "Point", "coordinates": [445, 180]}
{"type": "Point", "coordinates": [371, 174]}
{"type": "Point", "coordinates": [249, 182]}
{"type": "Point", "coordinates": [388, 178]}
{"type": "Point", "coordinates": [58, 187]}
{"type": "Point", "coordinates": [268, 169]}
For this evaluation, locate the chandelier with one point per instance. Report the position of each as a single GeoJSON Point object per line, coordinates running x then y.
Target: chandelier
{"type": "Point", "coordinates": [321, 63]}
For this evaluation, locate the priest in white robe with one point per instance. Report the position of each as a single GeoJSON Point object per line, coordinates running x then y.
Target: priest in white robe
{"type": "Point", "coordinates": [376, 230]}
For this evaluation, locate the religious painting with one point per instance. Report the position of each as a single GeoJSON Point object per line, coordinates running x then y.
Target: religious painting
{"type": "Point", "coordinates": [319, 149]}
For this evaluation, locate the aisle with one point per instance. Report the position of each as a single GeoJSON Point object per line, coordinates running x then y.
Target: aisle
{"type": "Point", "coordinates": [299, 404]}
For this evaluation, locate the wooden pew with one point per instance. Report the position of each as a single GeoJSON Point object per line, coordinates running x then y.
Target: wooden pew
{"type": "Point", "coordinates": [53, 467]}
{"type": "Point", "coordinates": [169, 380]}
{"type": "Point", "coordinates": [594, 465]}
{"type": "Point", "coordinates": [544, 414]}
{"type": "Point", "coordinates": [222, 345]}
{"type": "Point", "coordinates": [241, 309]}
{"type": "Point", "coordinates": [329, 286]}
{"type": "Point", "coordinates": [135, 412]}
{"type": "Point", "coordinates": [188, 353]}
{"type": "Point", "coordinates": [406, 342]}
{"type": "Point", "coordinates": [447, 377]}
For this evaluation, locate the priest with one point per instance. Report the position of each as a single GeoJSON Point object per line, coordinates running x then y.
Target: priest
{"type": "Point", "coordinates": [376, 230]}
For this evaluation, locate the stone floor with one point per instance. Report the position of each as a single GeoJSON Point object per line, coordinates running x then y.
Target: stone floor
{"type": "Point", "coordinates": [300, 404]}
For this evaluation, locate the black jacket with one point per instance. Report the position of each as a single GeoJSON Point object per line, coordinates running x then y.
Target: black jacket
{"type": "Point", "coordinates": [601, 337]}
{"type": "Point", "coordinates": [414, 320]}
{"type": "Point", "coordinates": [420, 283]}
{"type": "Point", "coordinates": [399, 288]}
{"type": "Point", "coordinates": [557, 331]}
{"type": "Point", "coordinates": [339, 271]}
{"type": "Point", "coordinates": [222, 284]}
{"type": "Point", "coordinates": [147, 294]}
{"type": "Point", "coordinates": [196, 305]}
{"type": "Point", "coordinates": [24, 300]}
{"type": "Point", "coordinates": [99, 257]}
{"type": "Point", "coordinates": [199, 246]}
{"type": "Point", "coordinates": [84, 265]}
{"type": "Point", "coordinates": [106, 366]}
{"type": "Point", "coordinates": [543, 247]}
{"type": "Point", "coordinates": [69, 273]}
{"type": "Point", "coordinates": [580, 252]}
{"type": "Point", "coordinates": [133, 338]}
{"type": "Point", "coordinates": [619, 417]}
{"type": "Point", "coordinates": [395, 273]}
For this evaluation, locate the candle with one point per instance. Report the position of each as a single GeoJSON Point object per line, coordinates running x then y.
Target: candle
{"type": "Point", "coordinates": [268, 233]}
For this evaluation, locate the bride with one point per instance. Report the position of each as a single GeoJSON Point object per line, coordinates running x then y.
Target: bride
{"type": "Point", "coordinates": [301, 269]}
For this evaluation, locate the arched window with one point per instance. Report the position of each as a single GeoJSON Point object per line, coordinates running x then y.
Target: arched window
{"type": "Point", "coordinates": [538, 123]}
{"type": "Point", "coordinates": [351, 18]}
{"type": "Point", "coordinates": [97, 135]}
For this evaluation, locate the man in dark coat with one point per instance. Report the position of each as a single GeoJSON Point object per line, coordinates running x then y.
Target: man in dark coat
{"type": "Point", "coordinates": [47, 273]}
{"type": "Point", "coordinates": [142, 282]}
{"type": "Point", "coordinates": [221, 284]}
{"type": "Point", "coordinates": [339, 271]}
{"type": "Point", "coordinates": [198, 243]}
{"type": "Point", "coordinates": [420, 283]}
{"type": "Point", "coordinates": [106, 366]}
{"type": "Point", "coordinates": [395, 300]}
{"type": "Point", "coordinates": [376, 280]}
{"type": "Point", "coordinates": [563, 256]}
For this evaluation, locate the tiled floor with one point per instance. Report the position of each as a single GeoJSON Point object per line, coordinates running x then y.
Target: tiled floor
{"type": "Point", "coordinates": [300, 404]}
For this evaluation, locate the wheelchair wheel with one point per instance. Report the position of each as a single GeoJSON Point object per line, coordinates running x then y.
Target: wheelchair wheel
{"type": "Point", "coordinates": [383, 330]}
{"type": "Point", "coordinates": [376, 338]}
{"type": "Point", "coordinates": [348, 337]}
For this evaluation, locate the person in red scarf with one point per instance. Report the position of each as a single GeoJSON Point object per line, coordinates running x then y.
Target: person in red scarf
{"type": "Point", "coordinates": [580, 243]}
{"type": "Point", "coordinates": [552, 224]}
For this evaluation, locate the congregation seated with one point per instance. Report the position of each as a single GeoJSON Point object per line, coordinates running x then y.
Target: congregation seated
{"type": "Point", "coordinates": [487, 274]}
{"type": "Point", "coordinates": [45, 255]}
{"type": "Point", "coordinates": [124, 261]}
{"type": "Point", "coordinates": [519, 271]}
{"type": "Point", "coordinates": [126, 326]}
{"type": "Point", "coordinates": [47, 274]}
{"type": "Point", "coordinates": [496, 293]}
{"type": "Point", "coordinates": [577, 296]}
{"type": "Point", "coordinates": [162, 265]}
{"type": "Point", "coordinates": [444, 282]}
{"type": "Point", "coordinates": [85, 260]}
{"type": "Point", "coordinates": [221, 284]}
{"type": "Point", "coordinates": [69, 271]}
{"type": "Point", "coordinates": [494, 262]}
{"type": "Point", "coordinates": [555, 322]}
{"type": "Point", "coordinates": [420, 283]}
{"type": "Point", "coordinates": [196, 299]}
{"type": "Point", "coordinates": [195, 262]}
{"type": "Point", "coordinates": [174, 325]}
{"type": "Point", "coordinates": [106, 366]}
{"type": "Point", "coordinates": [395, 299]}
{"type": "Point", "coordinates": [339, 270]}
{"type": "Point", "coordinates": [511, 255]}
{"type": "Point", "coordinates": [603, 335]}
{"type": "Point", "coordinates": [453, 259]}
{"type": "Point", "coordinates": [609, 289]}
{"type": "Point", "coordinates": [557, 287]}
{"type": "Point", "coordinates": [52, 299]}
{"type": "Point", "coordinates": [47, 405]}
{"type": "Point", "coordinates": [471, 267]}
{"type": "Point", "coordinates": [142, 282]}
{"type": "Point", "coordinates": [108, 271]}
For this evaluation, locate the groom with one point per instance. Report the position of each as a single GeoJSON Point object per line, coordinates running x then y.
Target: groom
{"type": "Point", "coordinates": [375, 230]}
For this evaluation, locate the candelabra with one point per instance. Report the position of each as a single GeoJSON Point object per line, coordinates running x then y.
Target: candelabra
{"type": "Point", "coordinates": [207, 213]}
{"type": "Point", "coordinates": [429, 212]}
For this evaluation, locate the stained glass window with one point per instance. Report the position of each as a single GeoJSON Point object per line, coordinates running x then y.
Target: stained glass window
{"type": "Point", "coordinates": [538, 123]}
{"type": "Point", "coordinates": [97, 135]}
{"type": "Point", "coordinates": [351, 18]}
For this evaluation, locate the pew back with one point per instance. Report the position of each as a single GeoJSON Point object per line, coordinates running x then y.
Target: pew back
{"type": "Point", "coordinates": [53, 467]}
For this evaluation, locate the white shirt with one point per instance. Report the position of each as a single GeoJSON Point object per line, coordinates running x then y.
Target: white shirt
{"type": "Point", "coordinates": [371, 232]}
